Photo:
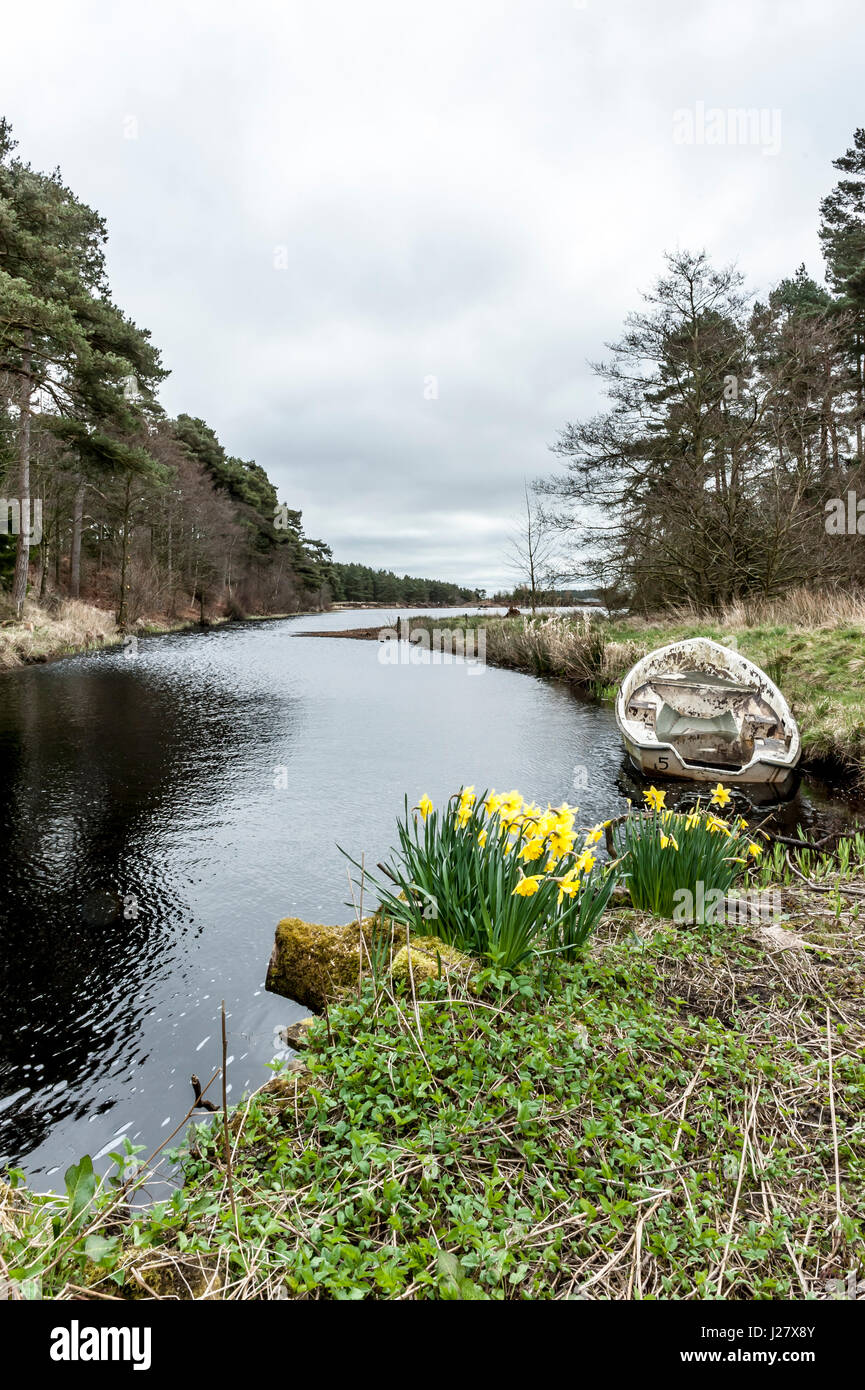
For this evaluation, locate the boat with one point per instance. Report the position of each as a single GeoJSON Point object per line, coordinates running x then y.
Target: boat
{"type": "Point", "coordinates": [700, 711]}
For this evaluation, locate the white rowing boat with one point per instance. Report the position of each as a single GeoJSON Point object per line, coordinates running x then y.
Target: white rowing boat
{"type": "Point", "coordinates": [703, 712]}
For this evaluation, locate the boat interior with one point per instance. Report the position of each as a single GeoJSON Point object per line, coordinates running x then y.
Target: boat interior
{"type": "Point", "coordinates": [709, 719]}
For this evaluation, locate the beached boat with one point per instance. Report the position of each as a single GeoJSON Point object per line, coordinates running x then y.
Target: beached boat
{"type": "Point", "coordinates": [703, 712]}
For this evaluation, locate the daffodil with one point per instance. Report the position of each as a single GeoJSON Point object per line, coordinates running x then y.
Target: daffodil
{"type": "Point", "coordinates": [669, 840]}
{"type": "Point", "coordinates": [655, 798]}
{"type": "Point", "coordinates": [594, 835]}
{"type": "Point", "coordinates": [424, 806]}
{"type": "Point", "coordinates": [585, 863]}
{"type": "Point", "coordinates": [755, 850]}
{"type": "Point", "coordinates": [569, 885]}
{"type": "Point", "coordinates": [561, 844]}
{"type": "Point", "coordinates": [482, 838]}
{"type": "Point", "coordinates": [720, 796]}
{"type": "Point", "coordinates": [527, 886]}
{"type": "Point", "coordinates": [532, 849]}
{"type": "Point", "coordinates": [692, 820]}
{"type": "Point", "coordinates": [510, 808]}
{"type": "Point", "coordinates": [715, 826]}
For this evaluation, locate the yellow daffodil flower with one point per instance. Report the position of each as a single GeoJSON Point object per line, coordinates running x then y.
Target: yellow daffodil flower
{"type": "Point", "coordinates": [720, 796]}
{"type": "Point", "coordinates": [655, 798]}
{"type": "Point", "coordinates": [527, 886]}
{"type": "Point", "coordinates": [669, 840]}
{"type": "Point", "coordinates": [424, 806]}
{"type": "Point", "coordinates": [569, 885]}
{"type": "Point", "coordinates": [594, 835]}
{"type": "Point", "coordinates": [755, 850]}
{"type": "Point", "coordinates": [532, 849]}
{"type": "Point", "coordinates": [561, 844]}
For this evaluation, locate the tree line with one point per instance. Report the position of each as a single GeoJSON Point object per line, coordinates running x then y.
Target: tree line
{"type": "Point", "coordinates": [733, 425]}
{"type": "Point", "coordinates": [103, 495]}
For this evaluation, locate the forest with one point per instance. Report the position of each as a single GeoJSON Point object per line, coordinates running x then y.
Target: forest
{"type": "Point", "coordinates": [735, 429]}
{"type": "Point", "coordinates": [104, 497]}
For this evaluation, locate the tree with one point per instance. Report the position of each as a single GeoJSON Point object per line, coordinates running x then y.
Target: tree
{"type": "Point", "coordinates": [842, 232]}
{"type": "Point", "coordinates": [532, 552]}
{"type": "Point", "coordinates": [59, 333]}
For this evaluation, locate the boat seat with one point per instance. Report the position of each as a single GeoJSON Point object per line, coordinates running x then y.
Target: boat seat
{"type": "Point", "coordinates": [670, 725]}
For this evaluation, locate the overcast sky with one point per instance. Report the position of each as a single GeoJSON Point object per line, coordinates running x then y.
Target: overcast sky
{"type": "Point", "coordinates": [377, 241]}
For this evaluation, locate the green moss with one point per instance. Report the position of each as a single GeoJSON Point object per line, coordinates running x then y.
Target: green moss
{"type": "Point", "coordinates": [315, 964]}
{"type": "Point", "coordinates": [428, 958]}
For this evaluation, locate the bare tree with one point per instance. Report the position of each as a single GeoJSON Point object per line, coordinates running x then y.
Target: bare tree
{"type": "Point", "coordinates": [532, 551]}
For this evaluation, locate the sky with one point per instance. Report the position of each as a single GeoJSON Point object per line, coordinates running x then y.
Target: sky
{"type": "Point", "coordinates": [379, 243]}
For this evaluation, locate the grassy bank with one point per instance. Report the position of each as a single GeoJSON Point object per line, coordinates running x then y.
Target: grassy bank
{"type": "Point", "coordinates": [42, 634]}
{"type": "Point", "coordinates": [812, 646]}
{"type": "Point", "coordinates": [678, 1114]}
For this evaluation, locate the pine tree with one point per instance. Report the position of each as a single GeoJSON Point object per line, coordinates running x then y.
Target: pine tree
{"type": "Point", "coordinates": [842, 232]}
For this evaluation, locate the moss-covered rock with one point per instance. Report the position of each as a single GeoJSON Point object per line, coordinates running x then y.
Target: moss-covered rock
{"type": "Point", "coordinates": [316, 964]}
{"type": "Point", "coordinates": [427, 958]}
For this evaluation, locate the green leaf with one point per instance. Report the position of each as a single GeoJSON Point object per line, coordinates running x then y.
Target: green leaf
{"type": "Point", "coordinates": [80, 1182]}
{"type": "Point", "coordinates": [100, 1249]}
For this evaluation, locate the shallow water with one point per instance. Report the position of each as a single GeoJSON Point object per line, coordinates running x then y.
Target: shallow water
{"type": "Point", "coordinates": [160, 812]}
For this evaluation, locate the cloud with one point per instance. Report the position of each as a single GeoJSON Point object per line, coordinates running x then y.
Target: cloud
{"type": "Point", "coordinates": [326, 211]}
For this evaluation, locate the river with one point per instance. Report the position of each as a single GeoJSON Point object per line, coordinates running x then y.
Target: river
{"type": "Point", "coordinates": [161, 810]}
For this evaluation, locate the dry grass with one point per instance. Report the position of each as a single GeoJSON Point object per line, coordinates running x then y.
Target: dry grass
{"type": "Point", "coordinates": [40, 636]}
{"type": "Point", "coordinates": [681, 1118]}
{"type": "Point", "coordinates": [800, 608]}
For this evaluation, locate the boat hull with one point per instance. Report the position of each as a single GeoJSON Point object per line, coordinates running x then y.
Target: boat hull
{"type": "Point", "coordinates": [706, 683]}
{"type": "Point", "coordinates": [662, 760]}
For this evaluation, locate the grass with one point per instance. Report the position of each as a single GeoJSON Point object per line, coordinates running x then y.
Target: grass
{"type": "Point", "coordinates": [812, 645]}
{"type": "Point", "coordinates": [678, 1114]}
{"type": "Point", "coordinates": [43, 634]}
{"type": "Point", "coordinates": [40, 635]}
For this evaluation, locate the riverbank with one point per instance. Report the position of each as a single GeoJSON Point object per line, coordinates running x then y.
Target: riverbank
{"type": "Point", "coordinates": [48, 634]}
{"type": "Point", "coordinates": [813, 647]}
{"type": "Point", "coordinates": [678, 1114]}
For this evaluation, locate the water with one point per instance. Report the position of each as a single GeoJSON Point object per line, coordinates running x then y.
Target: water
{"type": "Point", "coordinates": [160, 813]}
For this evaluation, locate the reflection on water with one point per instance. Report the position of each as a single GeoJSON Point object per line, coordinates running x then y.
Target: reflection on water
{"type": "Point", "coordinates": [159, 814]}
